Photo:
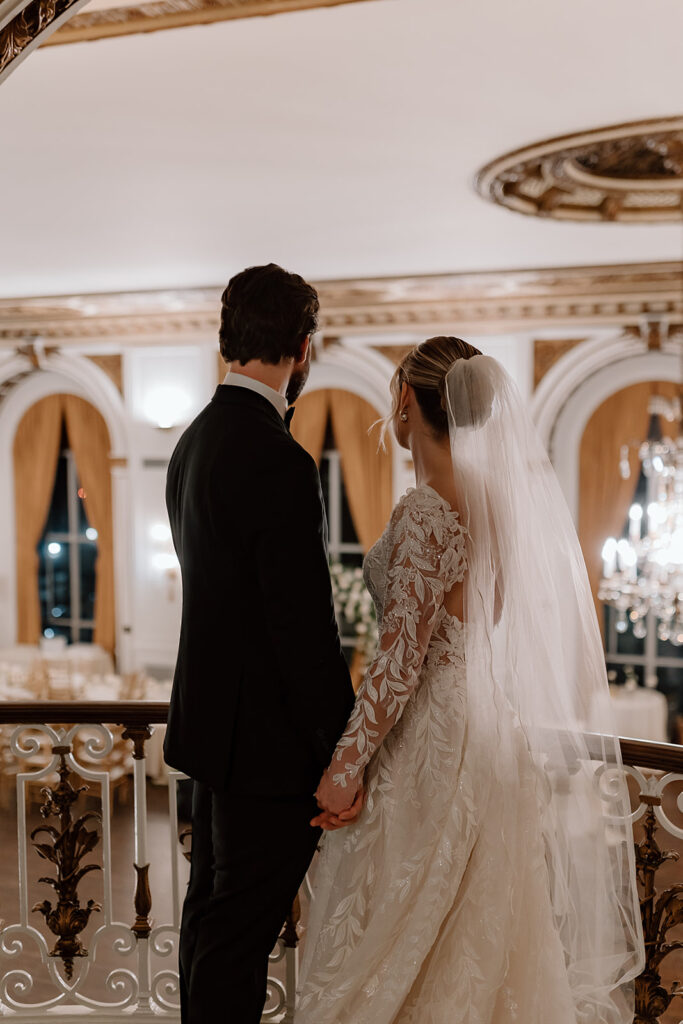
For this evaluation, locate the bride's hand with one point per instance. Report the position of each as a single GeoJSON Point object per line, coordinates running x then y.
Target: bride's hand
{"type": "Point", "coordinates": [331, 822]}
{"type": "Point", "coordinates": [335, 798]}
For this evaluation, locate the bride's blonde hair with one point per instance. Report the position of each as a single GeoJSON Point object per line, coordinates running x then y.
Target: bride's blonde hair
{"type": "Point", "coordinates": [425, 369]}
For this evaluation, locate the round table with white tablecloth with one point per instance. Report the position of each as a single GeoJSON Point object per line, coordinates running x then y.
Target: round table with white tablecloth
{"type": "Point", "coordinates": [640, 713]}
{"type": "Point", "coordinates": [85, 659]}
{"type": "Point", "coordinates": [15, 685]}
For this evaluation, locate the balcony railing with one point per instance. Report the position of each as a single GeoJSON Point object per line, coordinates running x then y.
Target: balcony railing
{"type": "Point", "coordinates": [94, 864]}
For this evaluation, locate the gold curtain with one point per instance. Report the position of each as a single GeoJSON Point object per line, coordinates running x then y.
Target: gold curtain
{"type": "Point", "coordinates": [367, 476]}
{"type": "Point", "coordinates": [367, 472]}
{"type": "Point", "coordinates": [36, 453]}
{"type": "Point", "coordinates": [604, 497]}
{"type": "Point", "coordinates": [89, 441]}
{"type": "Point", "coordinates": [310, 420]}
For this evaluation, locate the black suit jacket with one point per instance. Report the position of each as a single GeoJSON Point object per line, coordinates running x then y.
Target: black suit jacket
{"type": "Point", "coordinates": [261, 691]}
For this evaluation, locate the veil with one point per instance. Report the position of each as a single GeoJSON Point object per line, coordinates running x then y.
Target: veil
{"type": "Point", "coordinates": [534, 654]}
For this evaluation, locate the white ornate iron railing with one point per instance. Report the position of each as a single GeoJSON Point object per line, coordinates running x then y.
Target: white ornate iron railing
{"type": "Point", "coordinates": [75, 954]}
{"type": "Point", "coordinates": [91, 950]}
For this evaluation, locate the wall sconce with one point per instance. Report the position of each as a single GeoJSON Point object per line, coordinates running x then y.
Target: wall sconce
{"type": "Point", "coordinates": [166, 407]}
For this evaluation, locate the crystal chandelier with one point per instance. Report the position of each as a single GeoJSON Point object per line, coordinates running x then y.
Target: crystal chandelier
{"type": "Point", "coordinates": [643, 573]}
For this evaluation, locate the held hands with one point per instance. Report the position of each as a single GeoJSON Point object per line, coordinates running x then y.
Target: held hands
{"type": "Point", "coordinates": [340, 805]}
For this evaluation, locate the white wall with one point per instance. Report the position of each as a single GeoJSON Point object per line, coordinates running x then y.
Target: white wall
{"type": "Point", "coordinates": [178, 381]}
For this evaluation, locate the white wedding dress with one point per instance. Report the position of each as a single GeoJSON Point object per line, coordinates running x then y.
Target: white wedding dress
{"type": "Point", "coordinates": [435, 907]}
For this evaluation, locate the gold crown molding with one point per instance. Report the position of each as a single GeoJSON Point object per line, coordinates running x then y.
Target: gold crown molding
{"type": "Point", "coordinates": [128, 19]}
{"type": "Point", "coordinates": [628, 172]}
{"type": "Point", "coordinates": [471, 303]}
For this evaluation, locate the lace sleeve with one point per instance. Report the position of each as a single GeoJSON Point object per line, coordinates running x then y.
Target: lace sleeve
{"type": "Point", "coordinates": [421, 560]}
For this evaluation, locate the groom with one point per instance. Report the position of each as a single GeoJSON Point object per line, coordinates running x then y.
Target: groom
{"type": "Point", "coordinates": [261, 692]}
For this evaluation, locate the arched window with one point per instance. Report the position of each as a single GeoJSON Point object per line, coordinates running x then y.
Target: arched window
{"type": "Point", "coordinates": [67, 554]}
{"type": "Point", "coordinates": [62, 489]}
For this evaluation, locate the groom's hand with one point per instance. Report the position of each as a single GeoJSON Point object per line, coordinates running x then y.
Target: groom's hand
{"type": "Point", "coordinates": [330, 822]}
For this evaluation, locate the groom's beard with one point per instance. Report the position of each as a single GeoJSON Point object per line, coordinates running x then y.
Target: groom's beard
{"type": "Point", "coordinates": [297, 382]}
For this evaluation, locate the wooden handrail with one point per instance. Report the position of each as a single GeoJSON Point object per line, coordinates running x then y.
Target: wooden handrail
{"type": "Point", "coordinates": [139, 713]}
{"type": "Point", "coordinates": [135, 713]}
{"type": "Point", "coordinates": [646, 754]}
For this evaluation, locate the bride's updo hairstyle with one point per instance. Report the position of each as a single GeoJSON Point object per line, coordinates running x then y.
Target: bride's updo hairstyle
{"type": "Point", "coordinates": [425, 369]}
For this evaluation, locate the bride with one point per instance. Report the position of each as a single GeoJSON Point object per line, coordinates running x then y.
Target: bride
{"type": "Point", "coordinates": [489, 878]}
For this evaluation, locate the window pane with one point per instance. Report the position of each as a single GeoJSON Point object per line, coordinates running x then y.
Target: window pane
{"type": "Point", "coordinates": [671, 683]}
{"type": "Point", "coordinates": [53, 581]}
{"type": "Point", "coordinates": [55, 630]}
{"type": "Point", "coordinates": [617, 673]}
{"type": "Point", "coordinates": [354, 561]}
{"type": "Point", "coordinates": [88, 557]}
{"type": "Point", "coordinates": [626, 643]}
{"type": "Point", "coordinates": [349, 535]}
{"type": "Point", "coordinates": [665, 649]}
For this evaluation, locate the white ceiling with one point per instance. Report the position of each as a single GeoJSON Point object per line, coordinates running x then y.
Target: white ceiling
{"type": "Point", "coordinates": [340, 142]}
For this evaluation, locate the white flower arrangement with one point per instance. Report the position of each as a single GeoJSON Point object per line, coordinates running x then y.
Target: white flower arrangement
{"type": "Point", "coordinates": [353, 604]}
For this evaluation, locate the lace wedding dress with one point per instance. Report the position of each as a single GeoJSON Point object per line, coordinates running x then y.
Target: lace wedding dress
{"type": "Point", "coordinates": [435, 907]}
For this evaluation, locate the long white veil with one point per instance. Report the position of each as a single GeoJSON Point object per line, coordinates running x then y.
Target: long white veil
{"type": "Point", "coordinates": [534, 652]}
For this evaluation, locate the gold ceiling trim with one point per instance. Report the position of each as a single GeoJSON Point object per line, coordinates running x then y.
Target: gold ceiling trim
{"type": "Point", "coordinates": [127, 19]}
{"type": "Point", "coordinates": [471, 303]}
{"type": "Point", "coordinates": [628, 172]}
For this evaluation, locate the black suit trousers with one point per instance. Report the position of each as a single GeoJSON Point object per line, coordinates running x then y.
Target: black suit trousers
{"type": "Point", "coordinates": [249, 857]}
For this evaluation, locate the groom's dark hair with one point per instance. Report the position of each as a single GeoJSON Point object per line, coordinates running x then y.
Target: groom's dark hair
{"type": "Point", "coordinates": [266, 314]}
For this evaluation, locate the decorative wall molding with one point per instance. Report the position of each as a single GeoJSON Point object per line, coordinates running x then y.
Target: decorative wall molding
{"type": "Point", "coordinates": [568, 405]}
{"type": "Point", "coordinates": [467, 304]}
{"type": "Point", "coordinates": [126, 19]}
{"type": "Point", "coordinates": [112, 366]}
{"type": "Point", "coordinates": [548, 351]}
{"type": "Point", "coordinates": [628, 172]}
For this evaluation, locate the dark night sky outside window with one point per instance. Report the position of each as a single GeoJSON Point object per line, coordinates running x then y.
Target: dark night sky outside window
{"type": "Point", "coordinates": [67, 553]}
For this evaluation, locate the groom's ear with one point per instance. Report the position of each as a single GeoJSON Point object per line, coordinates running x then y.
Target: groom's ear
{"type": "Point", "coordinates": [303, 350]}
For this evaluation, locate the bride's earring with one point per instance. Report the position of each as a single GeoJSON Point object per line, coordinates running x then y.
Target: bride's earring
{"type": "Point", "coordinates": [404, 416]}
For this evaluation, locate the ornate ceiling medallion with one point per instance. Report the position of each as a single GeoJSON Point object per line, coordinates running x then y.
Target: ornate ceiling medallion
{"type": "Point", "coordinates": [629, 172]}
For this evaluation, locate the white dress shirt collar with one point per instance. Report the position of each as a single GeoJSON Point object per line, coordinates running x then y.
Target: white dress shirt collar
{"type": "Point", "coordinates": [240, 380]}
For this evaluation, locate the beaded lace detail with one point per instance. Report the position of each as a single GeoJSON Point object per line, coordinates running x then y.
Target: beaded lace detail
{"type": "Point", "coordinates": [422, 552]}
